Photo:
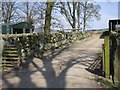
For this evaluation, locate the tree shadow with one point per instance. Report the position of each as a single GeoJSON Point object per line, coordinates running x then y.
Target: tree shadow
{"type": "Point", "coordinates": [24, 73]}
{"type": "Point", "coordinates": [50, 75]}
{"type": "Point", "coordinates": [53, 73]}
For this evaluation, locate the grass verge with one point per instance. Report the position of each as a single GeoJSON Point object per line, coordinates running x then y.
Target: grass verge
{"type": "Point", "coordinates": [107, 84]}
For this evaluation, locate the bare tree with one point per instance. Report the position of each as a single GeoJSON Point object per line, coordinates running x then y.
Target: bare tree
{"type": "Point", "coordinates": [68, 9]}
{"type": "Point", "coordinates": [79, 12]}
{"type": "Point", "coordinates": [89, 12]}
{"type": "Point", "coordinates": [49, 8]}
{"type": "Point", "coordinates": [0, 11]}
{"type": "Point", "coordinates": [78, 15]}
{"type": "Point", "coordinates": [8, 11]}
{"type": "Point", "coordinates": [32, 12]}
{"type": "Point", "coordinates": [41, 15]}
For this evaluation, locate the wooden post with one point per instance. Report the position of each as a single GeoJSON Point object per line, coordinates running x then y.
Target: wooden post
{"type": "Point", "coordinates": [107, 57]}
{"type": "Point", "coordinates": [103, 59]}
{"type": "Point", "coordinates": [118, 54]}
{"type": "Point", "coordinates": [117, 63]}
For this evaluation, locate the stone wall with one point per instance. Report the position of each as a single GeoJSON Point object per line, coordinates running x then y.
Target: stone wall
{"type": "Point", "coordinates": [37, 44]}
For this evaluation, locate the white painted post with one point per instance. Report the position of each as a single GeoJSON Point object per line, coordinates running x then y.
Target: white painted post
{"type": "Point", "coordinates": [111, 25]}
{"type": "Point", "coordinates": [24, 30]}
{"type": "Point", "coordinates": [117, 26]}
{"type": "Point", "coordinates": [30, 30]}
{"type": "Point", "coordinates": [7, 28]}
{"type": "Point", "coordinates": [11, 30]}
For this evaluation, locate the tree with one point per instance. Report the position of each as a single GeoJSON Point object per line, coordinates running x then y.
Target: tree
{"type": "Point", "coordinates": [78, 15]}
{"type": "Point", "coordinates": [89, 12]}
{"type": "Point", "coordinates": [30, 11]}
{"type": "Point", "coordinates": [49, 8]}
{"type": "Point", "coordinates": [8, 11]}
{"type": "Point", "coordinates": [69, 13]}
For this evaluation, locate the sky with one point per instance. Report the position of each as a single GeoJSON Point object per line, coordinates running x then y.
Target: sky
{"type": "Point", "coordinates": [109, 11]}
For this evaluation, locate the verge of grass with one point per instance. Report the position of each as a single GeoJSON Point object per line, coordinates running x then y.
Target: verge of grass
{"type": "Point", "coordinates": [107, 84]}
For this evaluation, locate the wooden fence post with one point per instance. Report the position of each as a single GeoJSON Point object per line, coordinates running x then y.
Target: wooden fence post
{"type": "Point", "coordinates": [103, 59]}
{"type": "Point", "coordinates": [118, 61]}
{"type": "Point", "coordinates": [107, 56]}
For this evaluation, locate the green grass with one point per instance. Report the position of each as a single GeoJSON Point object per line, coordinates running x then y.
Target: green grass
{"type": "Point", "coordinates": [108, 84]}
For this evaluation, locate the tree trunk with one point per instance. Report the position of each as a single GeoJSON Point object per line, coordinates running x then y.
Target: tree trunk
{"type": "Point", "coordinates": [84, 18]}
{"type": "Point", "coordinates": [48, 17]}
{"type": "Point", "coordinates": [78, 15]}
{"type": "Point", "coordinates": [27, 11]}
{"type": "Point", "coordinates": [84, 23]}
{"type": "Point", "coordinates": [74, 19]}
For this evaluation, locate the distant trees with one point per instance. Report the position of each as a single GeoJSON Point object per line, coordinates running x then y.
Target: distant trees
{"type": "Point", "coordinates": [79, 13]}
{"type": "Point", "coordinates": [8, 11]}
{"type": "Point", "coordinates": [88, 12]}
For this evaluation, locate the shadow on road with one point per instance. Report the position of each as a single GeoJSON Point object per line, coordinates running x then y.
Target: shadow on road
{"type": "Point", "coordinates": [49, 72]}
{"type": "Point", "coordinates": [54, 76]}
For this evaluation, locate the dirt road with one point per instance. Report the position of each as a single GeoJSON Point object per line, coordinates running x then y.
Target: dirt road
{"type": "Point", "coordinates": [62, 68]}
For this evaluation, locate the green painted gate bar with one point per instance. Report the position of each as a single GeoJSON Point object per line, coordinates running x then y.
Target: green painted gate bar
{"type": "Point", "coordinates": [107, 56]}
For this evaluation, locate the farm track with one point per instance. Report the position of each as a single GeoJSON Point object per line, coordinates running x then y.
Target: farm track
{"type": "Point", "coordinates": [62, 68]}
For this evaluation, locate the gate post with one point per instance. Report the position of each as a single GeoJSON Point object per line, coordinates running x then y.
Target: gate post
{"type": "Point", "coordinates": [107, 56]}
{"type": "Point", "coordinates": [118, 54]}
{"type": "Point", "coordinates": [103, 59]}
